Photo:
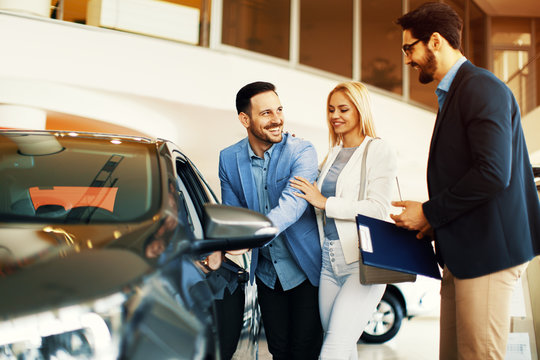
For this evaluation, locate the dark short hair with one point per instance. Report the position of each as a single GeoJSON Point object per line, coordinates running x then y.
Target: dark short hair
{"type": "Point", "coordinates": [433, 17]}
{"type": "Point", "coordinates": [244, 95]}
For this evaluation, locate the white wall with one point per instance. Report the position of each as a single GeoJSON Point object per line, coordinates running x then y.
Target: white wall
{"type": "Point", "coordinates": [181, 92]}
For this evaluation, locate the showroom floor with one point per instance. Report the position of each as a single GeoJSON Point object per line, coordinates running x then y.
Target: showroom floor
{"type": "Point", "coordinates": [417, 339]}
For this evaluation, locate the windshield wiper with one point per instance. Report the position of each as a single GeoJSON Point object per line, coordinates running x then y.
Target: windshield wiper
{"type": "Point", "coordinates": [102, 179]}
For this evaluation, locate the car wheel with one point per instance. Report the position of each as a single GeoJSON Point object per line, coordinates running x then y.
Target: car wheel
{"type": "Point", "coordinates": [385, 322]}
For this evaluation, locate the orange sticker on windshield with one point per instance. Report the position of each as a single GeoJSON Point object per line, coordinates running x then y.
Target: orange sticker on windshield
{"type": "Point", "coordinates": [74, 196]}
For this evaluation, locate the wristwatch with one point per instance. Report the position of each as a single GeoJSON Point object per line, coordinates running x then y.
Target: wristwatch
{"type": "Point", "coordinates": [204, 263]}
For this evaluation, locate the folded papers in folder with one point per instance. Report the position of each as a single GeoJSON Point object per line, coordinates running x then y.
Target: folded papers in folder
{"type": "Point", "coordinates": [387, 246]}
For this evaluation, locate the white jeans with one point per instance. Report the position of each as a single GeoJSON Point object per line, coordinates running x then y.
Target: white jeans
{"type": "Point", "coordinates": [345, 305]}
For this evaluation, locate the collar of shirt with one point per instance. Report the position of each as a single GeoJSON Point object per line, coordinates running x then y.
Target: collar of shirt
{"type": "Point", "coordinates": [275, 260]}
{"type": "Point", "coordinates": [252, 154]}
{"type": "Point", "coordinates": [446, 81]}
{"type": "Point", "coordinates": [259, 169]}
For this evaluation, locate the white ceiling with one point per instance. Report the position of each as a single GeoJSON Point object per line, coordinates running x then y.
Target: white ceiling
{"type": "Point", "coordinates": [524, 8]}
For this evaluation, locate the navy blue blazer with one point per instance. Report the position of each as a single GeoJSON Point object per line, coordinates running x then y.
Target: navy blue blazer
{"type": "Point", "coordinates": [292, 216]}
{"type": "Point", "coordinates": [483, 203]}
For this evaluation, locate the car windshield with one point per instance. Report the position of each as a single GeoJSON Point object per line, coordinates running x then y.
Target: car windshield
{"type": "Point", "coordinates": [76, 179]}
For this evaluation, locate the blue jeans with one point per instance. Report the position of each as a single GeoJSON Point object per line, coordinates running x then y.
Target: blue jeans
{"type": "Point", "coordinates": [345, 305]}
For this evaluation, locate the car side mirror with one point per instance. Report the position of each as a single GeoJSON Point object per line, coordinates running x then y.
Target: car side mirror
{"type": "Point", "coordinates": [233, 228]}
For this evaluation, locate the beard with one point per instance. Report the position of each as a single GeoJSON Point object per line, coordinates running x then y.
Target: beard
{"type": "Point", "coordinates": [427, 70]}
{"type": "Point", "coordinates": [264, 136]}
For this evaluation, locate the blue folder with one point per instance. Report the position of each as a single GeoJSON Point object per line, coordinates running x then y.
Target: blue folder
{"type": "Point", "coordinates": [387, 246]}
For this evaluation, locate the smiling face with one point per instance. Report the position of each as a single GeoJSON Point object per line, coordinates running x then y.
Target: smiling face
{"type": "Point", "coordinates": [420, 57]}
{"type": "Point", "coordinates": [265, 123]}
{"type": "Point", "coordinates": [343, 115]}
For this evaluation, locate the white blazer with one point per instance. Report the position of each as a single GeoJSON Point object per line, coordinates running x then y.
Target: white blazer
{"type": "Point", "coordinates": [381, 171]}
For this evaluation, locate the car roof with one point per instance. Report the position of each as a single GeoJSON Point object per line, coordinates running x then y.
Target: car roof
{"type": "Point", "coordinates": [81, 133]}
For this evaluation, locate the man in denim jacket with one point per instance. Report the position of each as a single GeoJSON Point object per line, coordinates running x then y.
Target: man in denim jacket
{"type": "Point", "coordinates": [254, 174]}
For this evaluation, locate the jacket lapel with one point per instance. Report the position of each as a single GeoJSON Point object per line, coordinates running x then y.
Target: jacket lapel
{"type": "Point", "coordinates": [246, 177]}
{"type": "Point", "coordinates": [441, 115]}
{"type": "Point", "coordinates": [273, 170]}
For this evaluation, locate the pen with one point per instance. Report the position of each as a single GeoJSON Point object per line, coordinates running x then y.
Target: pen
{"type": "Point", "coordinates": [398, 189]}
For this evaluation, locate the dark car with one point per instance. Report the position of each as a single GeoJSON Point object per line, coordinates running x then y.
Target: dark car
{"type": "Point", "coordinates": [101, 239]}
{"type": "Point", "coordinates": [536, 171]}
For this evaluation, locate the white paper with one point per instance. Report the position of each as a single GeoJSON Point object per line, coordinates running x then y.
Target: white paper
{"type": "Point", "coordinates": [365, 239]}
{"type": "Point", "coordinates": [518, 347]}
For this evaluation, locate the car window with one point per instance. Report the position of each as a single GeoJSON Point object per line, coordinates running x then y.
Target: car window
{"type": "Point", "coordinates": [186, 202]}
{"type": "Point", "coordinates": [210, 195]}
{"type": "Point", "coordinates": [193, 185]}
{"type": "Point", "coordinates": [76, 179]}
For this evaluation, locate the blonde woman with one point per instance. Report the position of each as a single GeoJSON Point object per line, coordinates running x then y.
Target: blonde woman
{"type": "Point", "coordinates": [346, 305]}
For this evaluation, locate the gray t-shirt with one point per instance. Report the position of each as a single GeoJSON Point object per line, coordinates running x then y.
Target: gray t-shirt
{"type": "Point", "coordinates": [328, 187]}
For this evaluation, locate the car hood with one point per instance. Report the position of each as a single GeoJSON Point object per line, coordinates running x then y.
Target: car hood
{"type": "Point", "coordinates": [49, 266]}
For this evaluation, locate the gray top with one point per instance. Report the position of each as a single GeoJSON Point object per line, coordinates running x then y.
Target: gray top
{"type": "Point", "coordinates": [328, 187]}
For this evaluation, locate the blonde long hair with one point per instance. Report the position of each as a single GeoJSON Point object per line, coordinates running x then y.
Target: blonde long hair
{"type": "Point", "coordinates": [357, 93]}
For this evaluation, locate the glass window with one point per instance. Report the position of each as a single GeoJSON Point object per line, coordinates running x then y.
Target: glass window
{"type": "Point", "coordinates": [197, 191]}
{"type": "Point", "coordinates": [163, 19]}
{"type": "Point", "coordinates": [511, 39]}
{"type": "Point", "coordinates": [76, 10]}
{"type": "Point", "coordinates": [188, 208]}
{"type": "Point", "coordinates": [509, 66]}
{"type": "Point", "coordinates": [477, 36]}
{"type": "Point", "coordinates": [511, 32]}
{"type": "Point", "coordinates": [257, 25]}
{"type": "Point", "coordinates": [537, 62]}
{"type": "Point", "coordinates": [72, 11]}
{"type": "Point", "coordinates": [381, 41]}
{"type": "Point", "coordinates": [326, 41]}
{"type": "Point", "coordinates": [506, 63]}
{"type": "Point", "coordinates": [42, 179]}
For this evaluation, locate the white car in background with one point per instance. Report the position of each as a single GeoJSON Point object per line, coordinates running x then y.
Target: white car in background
{"type": "Point", "coordinates": [400, 301]}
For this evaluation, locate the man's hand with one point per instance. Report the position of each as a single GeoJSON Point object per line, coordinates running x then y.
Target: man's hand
{"type": "Point", "coordinates": [412, 218]}
{"type": "Point", "coordinates": [211, 262]}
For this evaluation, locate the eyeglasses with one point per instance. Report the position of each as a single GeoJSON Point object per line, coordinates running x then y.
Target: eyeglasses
{"type": "Point", "coordinates": [408, 47]}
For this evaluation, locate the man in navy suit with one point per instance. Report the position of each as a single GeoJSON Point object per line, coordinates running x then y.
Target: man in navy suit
{"type": "Point", "coordinates": [255, 173]}
{"type": "Point", "coordinates": [483, 209]}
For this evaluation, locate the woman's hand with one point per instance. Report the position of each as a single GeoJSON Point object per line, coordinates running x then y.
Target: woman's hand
{"type": "Point", "coordinates": [310, 192]}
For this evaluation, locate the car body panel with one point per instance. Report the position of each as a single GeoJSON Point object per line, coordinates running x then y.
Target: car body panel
{"type": "Point", "coordinates": [400, 301]}
{"type": "Point", "coordinates": [421, 297]}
